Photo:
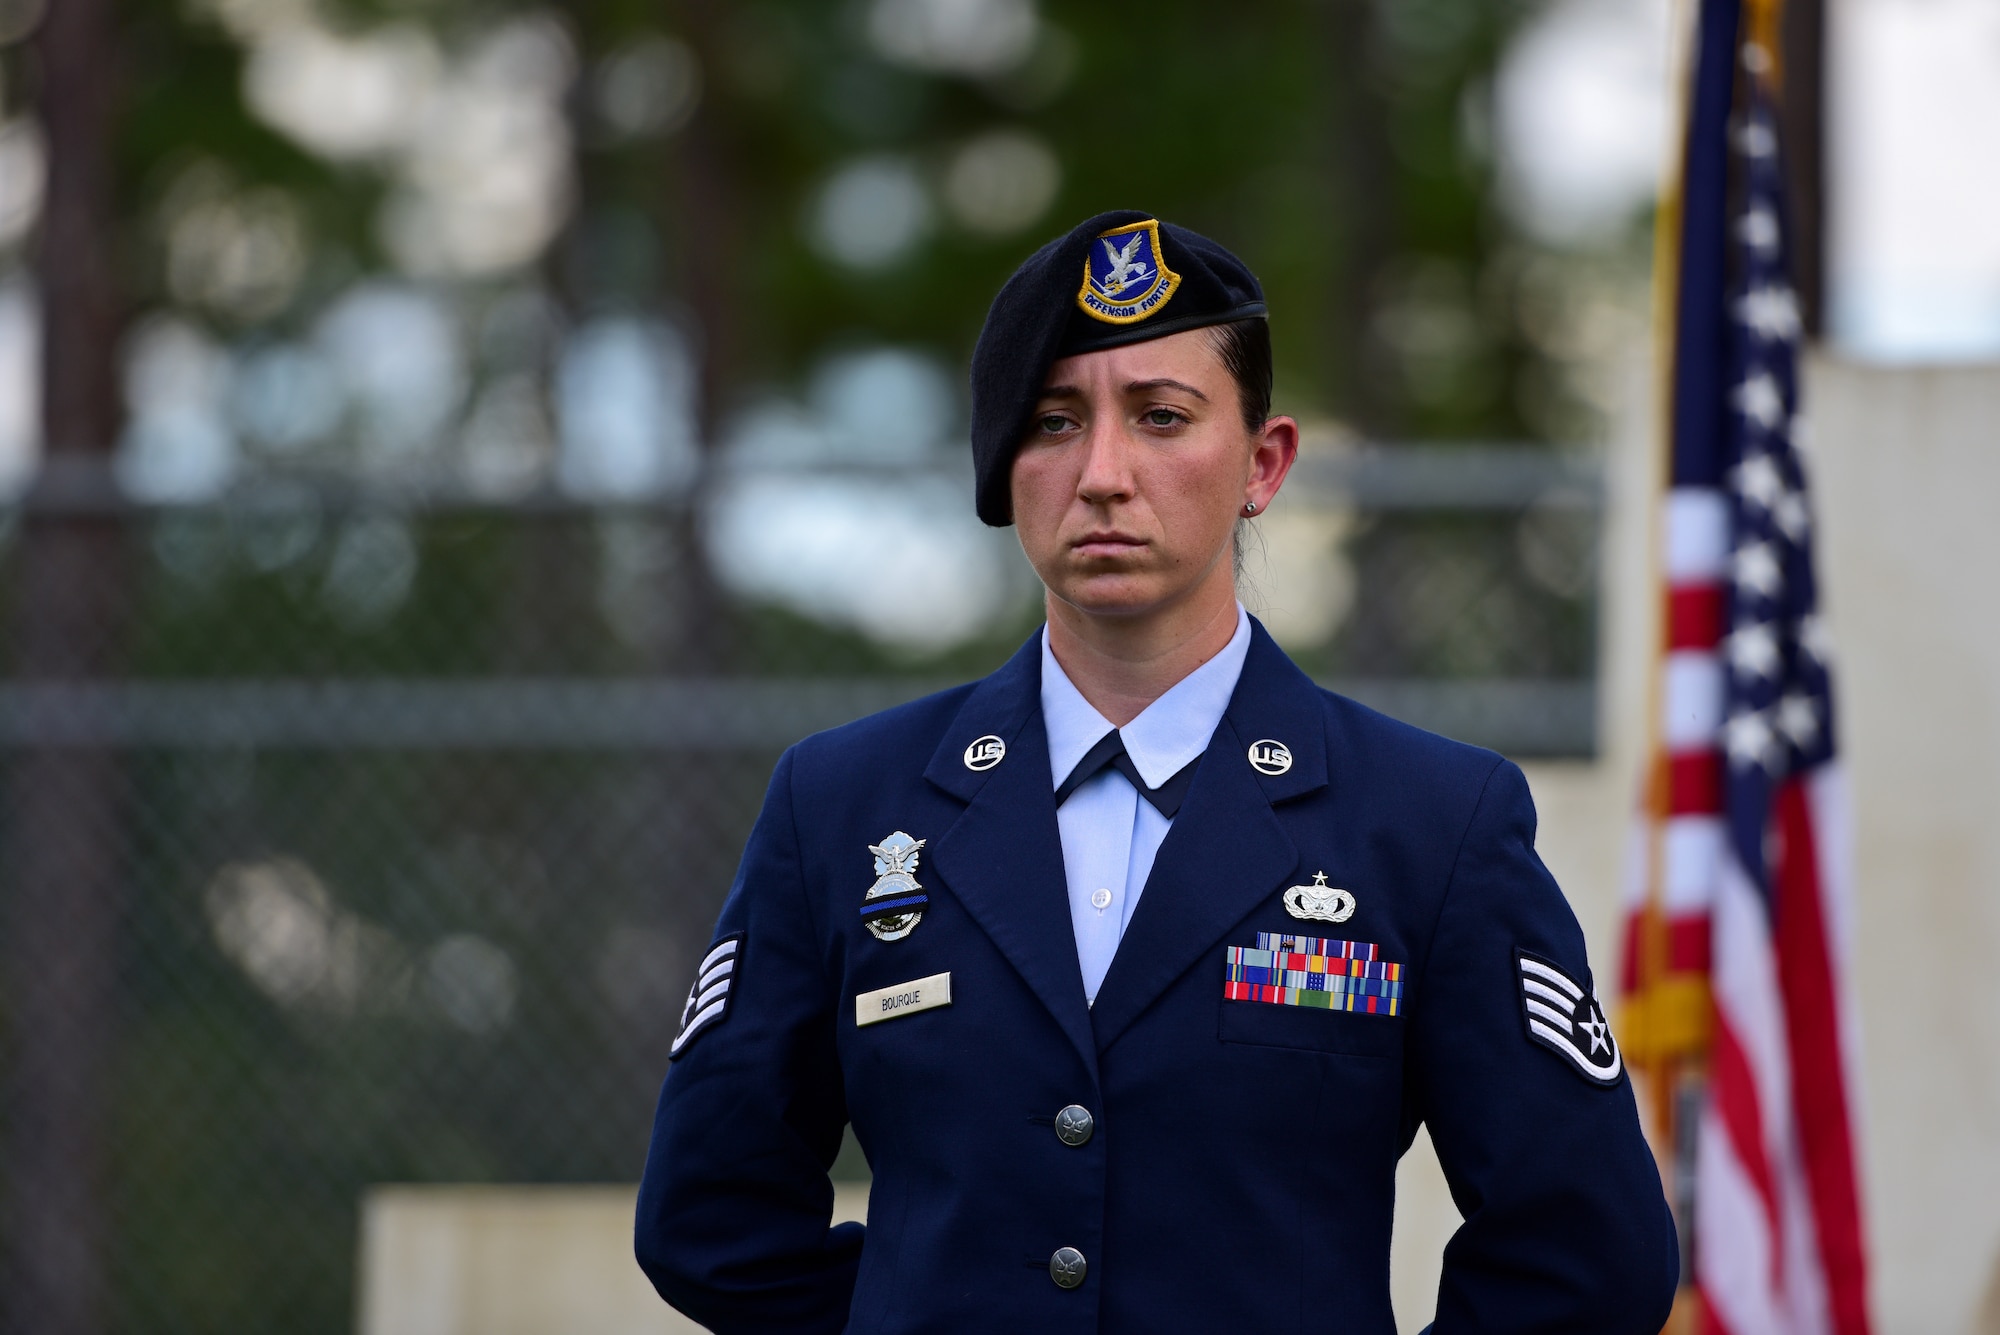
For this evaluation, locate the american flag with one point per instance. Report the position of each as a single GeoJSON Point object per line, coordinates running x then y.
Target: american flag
{"type": "Point", "coordinates": [1739, 1005]}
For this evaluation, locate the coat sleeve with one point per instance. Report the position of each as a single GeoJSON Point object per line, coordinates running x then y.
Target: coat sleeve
{"type": "Point", "coordinates": [734, 1209]}
{"type": "Point", "coordinates": [1566, 1226]}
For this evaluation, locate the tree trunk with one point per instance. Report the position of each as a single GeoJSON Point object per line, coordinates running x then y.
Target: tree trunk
{"type": "Point", "coordinates": [66, 853]}
{"type": "Point", "coordinates": [706, 204]}
{"type": "Point", "coordinates": [1363, 177]}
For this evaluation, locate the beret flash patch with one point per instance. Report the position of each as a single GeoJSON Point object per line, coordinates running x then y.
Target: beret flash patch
{"type": "Point", "coordinates": [1566, 1018]}
{"type": "Point", "coordinates": [1125, 275]}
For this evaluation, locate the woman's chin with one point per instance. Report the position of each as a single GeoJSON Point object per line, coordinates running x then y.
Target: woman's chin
{"type": "Point", "coordinates": [1119, 595]}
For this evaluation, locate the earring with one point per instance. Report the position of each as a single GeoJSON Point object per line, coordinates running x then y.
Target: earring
{"type": "Point", "coordinates": [1249, 508]}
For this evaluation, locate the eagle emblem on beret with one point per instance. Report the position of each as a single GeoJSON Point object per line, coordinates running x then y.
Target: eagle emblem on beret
{"type": "Point", "coordinates": [1125, 274]}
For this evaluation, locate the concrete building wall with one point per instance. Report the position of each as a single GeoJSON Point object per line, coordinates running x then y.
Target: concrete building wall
{"type": "Point", "coordinates": [451, 1260]}
{"type": "Point", "coordinates": [1908, 468]}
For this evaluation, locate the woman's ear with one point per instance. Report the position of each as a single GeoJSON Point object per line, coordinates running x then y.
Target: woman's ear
{"type": "Point", "coordinates": [1276, 450]}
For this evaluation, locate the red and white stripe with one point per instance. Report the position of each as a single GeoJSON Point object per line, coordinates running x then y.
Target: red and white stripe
{"type": "Point", "coordinates": [1778, 1233]}
{"type": "Point", "coordinates": [1691, 835]}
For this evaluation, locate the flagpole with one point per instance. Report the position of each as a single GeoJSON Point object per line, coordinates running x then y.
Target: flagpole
{"type": "Point", "coordinates": [1711, 1030]}
{"type": "Point", "coordinates": [1661, 1064]}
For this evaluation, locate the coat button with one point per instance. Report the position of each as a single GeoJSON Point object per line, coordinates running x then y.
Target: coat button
{"type": "Point", "coordinates": [1074, 1125]}
{"type": "Point", "coordinates": [1067, 1267]}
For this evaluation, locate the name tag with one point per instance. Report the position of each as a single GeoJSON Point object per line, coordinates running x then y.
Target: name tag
{"type": "Point", "coordinates": [921, 994]}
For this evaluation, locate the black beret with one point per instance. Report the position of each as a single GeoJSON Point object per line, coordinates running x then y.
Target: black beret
{"type": "Point", "coordinates": [1118, 278]}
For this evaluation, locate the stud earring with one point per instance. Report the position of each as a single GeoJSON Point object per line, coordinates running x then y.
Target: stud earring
{"type": "Point", "coordinates": [1249, 508]}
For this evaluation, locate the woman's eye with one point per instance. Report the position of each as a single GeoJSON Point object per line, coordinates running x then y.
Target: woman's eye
{"type": "Point", "coordinates": [1162, 417]}
{"type": "Point", "coordinates": [1054, 424]}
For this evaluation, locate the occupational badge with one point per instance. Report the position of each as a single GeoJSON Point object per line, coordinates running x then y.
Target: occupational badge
{"type": "Point", "coordinates": [894, 905]}
{"type": "Point", "coordinates": [1125, 275]}
{"type": "Point", "coordinates": [1565, 1017]}
{"type": "Point", "coordinates": [1327, 903]}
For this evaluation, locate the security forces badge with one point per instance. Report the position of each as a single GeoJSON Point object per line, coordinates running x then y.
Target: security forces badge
{"type": "Point", "coordinates": [894, 905]}
{"type": "Point", "coordinates": [1565, 1017]}
{"type": "Point", "coordinates": [1125, 275]}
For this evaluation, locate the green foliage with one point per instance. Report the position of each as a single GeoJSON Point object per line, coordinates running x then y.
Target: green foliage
{"type": "Point", "coordinates": [1242, 126]}
{"type": "Point", "coordinates": [1338, 144]}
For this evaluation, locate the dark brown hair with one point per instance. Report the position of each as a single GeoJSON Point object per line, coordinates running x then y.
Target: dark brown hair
{"type": "Point", "coordinates": [1245, 349]}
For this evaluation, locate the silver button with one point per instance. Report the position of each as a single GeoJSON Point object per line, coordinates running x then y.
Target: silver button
{"type": "Point", "coordinates": [1074, 1125]}
{"type": "Point", "coordinates": [1067, 1267]}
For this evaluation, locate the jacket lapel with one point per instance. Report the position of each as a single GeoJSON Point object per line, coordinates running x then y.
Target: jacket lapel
{"type": "Point", "coordinates": [1226, 851]}
{"type": "Point", "coordinates": [1002, 858]}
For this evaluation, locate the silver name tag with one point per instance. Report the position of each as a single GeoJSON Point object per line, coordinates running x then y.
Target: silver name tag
{"type": "Point", "coordinates": [921, 994]}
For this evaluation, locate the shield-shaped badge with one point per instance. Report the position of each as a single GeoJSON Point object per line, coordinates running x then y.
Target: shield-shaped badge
{"type": "Point", "coordinates": [894, 905]}
{"type": "Point", "coordinates": [1125, 274]}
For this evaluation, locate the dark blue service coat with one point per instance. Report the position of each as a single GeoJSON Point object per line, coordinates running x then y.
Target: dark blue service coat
{"type": "Point", "coordinates": [1241, 1170]}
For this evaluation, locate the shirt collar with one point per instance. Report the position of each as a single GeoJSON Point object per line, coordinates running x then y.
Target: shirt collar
{"type": "Point", "coordinates": [1171, 732]}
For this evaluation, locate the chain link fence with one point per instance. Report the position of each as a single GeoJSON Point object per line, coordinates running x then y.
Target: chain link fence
{"type": "Point", "coordinates": [373, 843]}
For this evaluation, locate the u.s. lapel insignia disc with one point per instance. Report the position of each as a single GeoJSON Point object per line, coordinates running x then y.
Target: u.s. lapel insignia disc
{"type": "Point", "coordinates": [984, 753]}
{"type": "Point", "coordinates": [1270, 757]}
{"type": "Point", "coordinates": [1327, 903]}
{"type": "Point", "coordinates": [1125, 275]}
{"type": "Point", "coordinates": [894, 905]}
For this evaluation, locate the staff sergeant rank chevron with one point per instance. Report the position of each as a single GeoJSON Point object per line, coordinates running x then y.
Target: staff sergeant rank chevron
{"type": "Point", "coordinates": [1565, 1018]}
{"type": "Point", "coordinates": [708, 1000]}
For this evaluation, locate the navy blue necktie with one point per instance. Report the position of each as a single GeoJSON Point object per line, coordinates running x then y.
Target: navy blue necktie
{"type": "Point", "coordinates": [1109, 753]}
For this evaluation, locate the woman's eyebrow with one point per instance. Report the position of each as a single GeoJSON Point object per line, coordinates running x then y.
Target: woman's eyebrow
{"type": "Point", "coordinates": [1133, 387]}
{"type": "Point", "coordinates": [1142, 386]}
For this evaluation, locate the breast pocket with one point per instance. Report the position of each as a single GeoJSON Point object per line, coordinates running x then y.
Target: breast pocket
{"type": "Point", "coordinates": [1279, 1026]}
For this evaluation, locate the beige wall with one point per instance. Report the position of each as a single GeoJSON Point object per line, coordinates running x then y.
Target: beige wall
{"type": "Point", "coordinates": [1907, 468]}
{"type": "Point", "coordinates": [514, 1261]}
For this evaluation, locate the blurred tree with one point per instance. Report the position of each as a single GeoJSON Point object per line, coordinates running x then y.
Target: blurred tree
{"type": "Point", "coordinates": [779, 181]}
{"type": "Point", "coordinates": [786, 177]}
{"type": "Point", "coordinates": [63, 816]}
{"type": "Point", "coordinates": [869, 172]}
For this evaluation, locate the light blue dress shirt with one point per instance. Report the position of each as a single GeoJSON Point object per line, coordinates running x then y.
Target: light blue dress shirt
{"type": "Point", "coordinates": [1109, 834]}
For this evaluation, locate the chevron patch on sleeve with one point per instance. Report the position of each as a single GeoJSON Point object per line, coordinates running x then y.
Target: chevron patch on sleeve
{"type": "Point", "coordinates": [1567, 1019]}
{"type": "Point", "coordinates": [714, 986]}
